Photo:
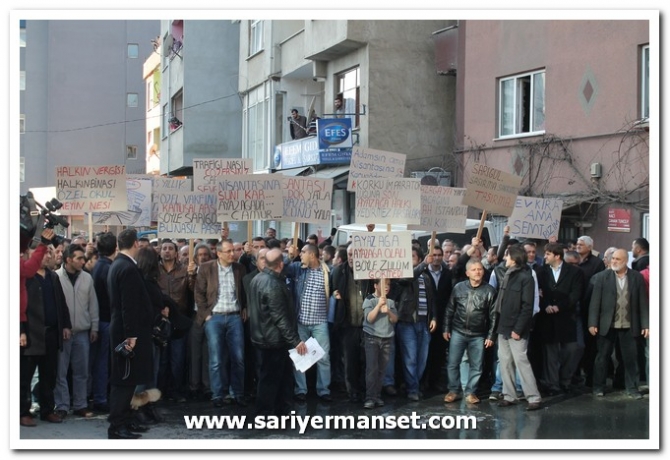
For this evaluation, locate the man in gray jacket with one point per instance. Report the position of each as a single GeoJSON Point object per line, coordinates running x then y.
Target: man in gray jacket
{"type": "Point", "coordinates": [83, 306]}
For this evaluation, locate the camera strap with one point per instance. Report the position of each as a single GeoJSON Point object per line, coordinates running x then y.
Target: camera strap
{"type": "Point", "coordinates": [127, 374]}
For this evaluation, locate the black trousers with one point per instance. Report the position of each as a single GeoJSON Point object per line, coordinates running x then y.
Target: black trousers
{"type": "Point", "coordinates": [628, 352]}
{"type": "Point", "coordinates": [120, 412]}
{"type": "Point", "coordinates": [354, 360]}
{"type": "Point", "coordinates": [275, 382]}
{"type": "Point", "coordinates": [48, 366]}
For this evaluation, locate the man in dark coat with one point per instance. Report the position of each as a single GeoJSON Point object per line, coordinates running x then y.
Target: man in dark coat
{"type": "Point", "coordinates": [47, 325]}
{"type": "Point", "coordinates": [131, 324]}
{"type": "Point", "coordinates": [619, 311]}
{"type": "Point", "coordinates": [562, 287]}
{"type": "Point", "coordinates": [274, 330]}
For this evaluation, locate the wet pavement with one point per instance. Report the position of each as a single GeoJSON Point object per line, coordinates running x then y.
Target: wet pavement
{"type": "Point", "coordinates": [575, 417]}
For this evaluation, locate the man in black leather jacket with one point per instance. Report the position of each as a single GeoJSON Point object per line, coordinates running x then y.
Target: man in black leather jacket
{"type": "Point", "coordinates": [274, 330]}
{"type": "Point", "coordinates": [469, 323]}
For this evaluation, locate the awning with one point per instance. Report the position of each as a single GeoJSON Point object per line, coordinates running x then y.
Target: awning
{"type": "Point", "coordinates": [293, 171]}
{"type": "Point", "coordinates": [331, 173]}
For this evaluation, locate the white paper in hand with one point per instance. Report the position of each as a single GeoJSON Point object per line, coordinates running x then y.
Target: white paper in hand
{"type": "Point", "coordinates": [304, 362]}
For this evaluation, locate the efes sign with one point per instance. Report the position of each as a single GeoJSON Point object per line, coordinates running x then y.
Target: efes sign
{"type": "Point", "coordinates": [334, 133]}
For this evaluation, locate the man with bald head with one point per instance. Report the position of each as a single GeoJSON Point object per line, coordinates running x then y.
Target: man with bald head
{"type": "Point", "coordinates": [618, 312]}
{"type": "Point", "coordinates": [274, 330]}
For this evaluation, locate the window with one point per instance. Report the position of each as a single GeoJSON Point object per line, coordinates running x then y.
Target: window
{"type": "Point", "coordinates": [131, 152]}
{"type": "Point", "coordinates": [22, 36]}
{"type": "Point", "coordinates": [23, 80]}
{"type": "Point", "coordinates": [256, 120]}
{"type": "Point", "coordinates": [255, 37]}
{"type": "Point", "coordinates": [521, 104]}
{"type": "Point", "coordinates": [133, 50]}
{"type": "Point", "coordinates": [645, 225]}
{"type": "Point", "coordinates": [132, 99]}
{"type": "Point", "coordinates": [176, 111]}
{"type": "Point", "coordinates": [22, 124]}
{"type": "Point", "coordinates": [22, 169]}
{"type": "Point", "coordinates": [349, 86]}
{"type": "Point", "coordinates": [644, 106]}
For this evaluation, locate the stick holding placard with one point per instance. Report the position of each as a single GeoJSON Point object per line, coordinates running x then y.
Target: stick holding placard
{"type": "Point", "coordinates": [481, 225]}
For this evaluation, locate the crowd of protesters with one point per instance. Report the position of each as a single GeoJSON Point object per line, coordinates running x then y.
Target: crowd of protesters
{"type": "Point", "coordinates": [106, 323]}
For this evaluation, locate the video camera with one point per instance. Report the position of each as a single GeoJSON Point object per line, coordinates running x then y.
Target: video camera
{"type": "Point", "coordinates": [36, 217]}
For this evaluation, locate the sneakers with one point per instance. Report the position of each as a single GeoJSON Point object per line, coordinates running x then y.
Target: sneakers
{"type": "Point", "coordinates": [369, 404]}
{"type": "Point", "coordinates": [472, 399]}
{"type": "Point", "coordinates": [451, 397]}
{"type": "Point", "coordinates": [495, 396]}
{"type": "Point", "coordinates": [300, 397]}
{"type": "Point", "coordinates": [413, 397]}
{"type": "Point", "coordinates": [634, 394]}
{"type": "Point", "coordinates": [379, 403]}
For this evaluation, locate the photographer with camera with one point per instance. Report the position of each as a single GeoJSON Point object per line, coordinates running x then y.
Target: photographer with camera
{"type": "Point", "coordinates": [130, 334]}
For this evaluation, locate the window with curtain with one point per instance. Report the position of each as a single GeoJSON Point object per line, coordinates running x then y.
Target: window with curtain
{"type": "Point", "coordinates": [255, 36]}
{"type": "Point", "coordinates": [349, 84]}
{"type": "Point", "coordinates": [521, 104]}
{"type": "Point", "coordinates": [256, 121]}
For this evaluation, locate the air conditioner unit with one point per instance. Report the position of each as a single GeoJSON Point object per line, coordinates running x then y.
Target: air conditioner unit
{"type": "Point", "coordinates": [432, 177]}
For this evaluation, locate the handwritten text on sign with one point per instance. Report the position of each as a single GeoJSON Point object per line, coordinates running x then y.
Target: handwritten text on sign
{"type": "Point", "coordinates": [369, 163]}
{"type": "Point", "coordinates": [187, 215]}
{"type": "Point", "coordinates": [382, 255]}
{"type": "Point", "coordinates": [536, 217]}
{"type": "Point", "coordinates": [388, 201]}
{"type": "Point", "coordinates": [206, 172]}
{"type": "Point", "coordinates": [442, 209]}
{"type": "Point", "coordinates": [84, 189]}
{"type": "Point", "coordinates": [166, 185]}
{"type": "Point", "coordinates": [491, 189]}
{"type": "Point", "coordinates": [252, 197]}
{"type": "Point", "coordinates": [307, 199]}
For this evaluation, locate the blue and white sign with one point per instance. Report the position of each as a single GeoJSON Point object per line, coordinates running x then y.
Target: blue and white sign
{"type": "Point", "coordinates": [334, 133]}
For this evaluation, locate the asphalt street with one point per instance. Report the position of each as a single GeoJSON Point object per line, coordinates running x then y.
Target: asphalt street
{"type": "Point", "coordinates": [571, 417]}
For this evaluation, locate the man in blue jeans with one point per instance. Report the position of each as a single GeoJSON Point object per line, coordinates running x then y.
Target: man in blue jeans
{"type": "Point", "coordinates": [416, 320]}
{"type": "Point", "coordinates": [219, 294]}
{"type": "Point", "coordinates": [311, 291]}
{"type": "Point", "coordinates": [469, 324]}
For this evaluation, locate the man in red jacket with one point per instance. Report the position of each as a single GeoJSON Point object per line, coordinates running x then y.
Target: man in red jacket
{"type": "Point", "coordinates": [29, 268]}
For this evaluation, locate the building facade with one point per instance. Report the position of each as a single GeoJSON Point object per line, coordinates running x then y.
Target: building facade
{"type": "Point", "coordinates": [384, 70]}
{"type": "Point", "coordinates": [565, 105]}
{"type": "Point", "coordinates": [82, 96]}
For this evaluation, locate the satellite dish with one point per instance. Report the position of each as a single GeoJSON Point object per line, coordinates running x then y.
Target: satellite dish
{"type": "Point", "coordinates": [167, 45]}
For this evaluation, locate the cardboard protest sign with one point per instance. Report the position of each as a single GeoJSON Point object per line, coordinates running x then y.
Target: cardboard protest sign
{"type": "Point", "coordinates": [166, 185]}
{"type": "Point", "coordinates": [491, 189]}
{"type": "Point", "coordinates": [370, 163]}
{"type": "Point", "coordinates": [138, 213]}
{"type": "Point", "coordinates": [442, 209]}
{"type": "Point", "coordinates": [84, 189]}
{"type": "Point", "coordinates": [187, 215]}
{"type": "Point", "coordinates": [307, 199]}
{"type": "Point", "coordinates": [252, 197]}
{"type": "Point", "coordinates": [382, 255]}
{"type": "Point", "coordinates": [388, 201]}
{"type": "Point", "coordinates": [536, 217]}
{"type": "Point", "coordinates": [207, 171]}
